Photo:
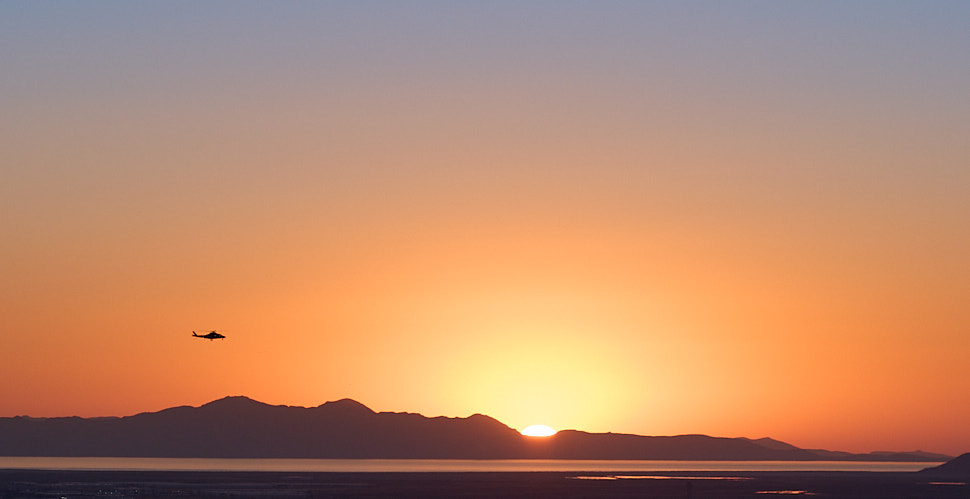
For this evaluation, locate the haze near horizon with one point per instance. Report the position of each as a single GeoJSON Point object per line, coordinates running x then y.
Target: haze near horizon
{"type": "Point", "coordinates": [728, 218]}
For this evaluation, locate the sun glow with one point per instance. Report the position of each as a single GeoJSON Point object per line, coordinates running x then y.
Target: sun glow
{"type": "Point", "coordinates": [538, 430]}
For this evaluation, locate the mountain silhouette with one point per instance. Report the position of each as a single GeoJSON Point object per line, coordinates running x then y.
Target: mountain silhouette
{"type": "Point", "coordinates": [239, 427]}
{"type": "Point", "coordinates": [770, 443]}
{"type": "Point", "coordinates": [958, 467]}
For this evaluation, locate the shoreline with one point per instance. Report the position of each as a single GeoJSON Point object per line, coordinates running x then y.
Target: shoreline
{"type": "Point", "coordinates": [443, 465]}
{"type": "Point", "coordinates": [82, 483]}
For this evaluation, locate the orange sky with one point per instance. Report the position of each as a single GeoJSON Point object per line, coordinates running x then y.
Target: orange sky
{"type": "Point", "coordinates": [644, 218]}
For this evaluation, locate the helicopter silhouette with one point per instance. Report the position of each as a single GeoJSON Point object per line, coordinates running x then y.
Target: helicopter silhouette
{"type": "Point", "coordinates": [212, 335]}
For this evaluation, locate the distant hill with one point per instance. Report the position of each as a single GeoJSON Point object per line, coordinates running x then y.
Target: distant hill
{"type": "Point", "coordinates": [912, 456]}
{"type": "Point", "coordinates": [241, 427]}
{"type": "Point", "coordinates": [770, 443]}
{"type": "Point", "coordinates": [958, 467]}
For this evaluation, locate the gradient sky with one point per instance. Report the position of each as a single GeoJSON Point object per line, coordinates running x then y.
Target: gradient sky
{"type": "Point", "coordinates": [731, 218]}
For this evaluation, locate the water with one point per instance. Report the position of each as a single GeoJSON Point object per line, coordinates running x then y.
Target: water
{"type": "Point", "coordinates": [438, 465]}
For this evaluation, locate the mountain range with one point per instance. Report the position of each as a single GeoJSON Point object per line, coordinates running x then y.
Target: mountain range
{"type": "Point", "coordinates": [239, 427]}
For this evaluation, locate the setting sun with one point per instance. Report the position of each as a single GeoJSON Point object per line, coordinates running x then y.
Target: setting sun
{"type": "Point", "coordinates": [538, 430]}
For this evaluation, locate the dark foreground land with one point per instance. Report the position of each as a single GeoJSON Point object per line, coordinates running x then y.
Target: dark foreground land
{"type": "Point", "coordinates": [79, 484]}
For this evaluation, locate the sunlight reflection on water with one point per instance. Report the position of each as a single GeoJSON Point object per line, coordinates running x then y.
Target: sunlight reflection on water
{"type": "Point", "coordinates": [659, 477]}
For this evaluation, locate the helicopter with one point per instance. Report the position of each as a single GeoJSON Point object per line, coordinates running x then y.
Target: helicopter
{"type": "Point", "coordinates": [212, 335]}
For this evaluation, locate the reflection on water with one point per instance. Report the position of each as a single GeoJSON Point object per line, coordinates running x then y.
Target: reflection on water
{"type": "Point", "coordinates": [437, 465]}
{"type": "Point", "coordinates": [658, 477]}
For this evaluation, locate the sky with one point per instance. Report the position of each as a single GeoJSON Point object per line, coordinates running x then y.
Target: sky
{"type": "Point", "coordinates": [729, 218]}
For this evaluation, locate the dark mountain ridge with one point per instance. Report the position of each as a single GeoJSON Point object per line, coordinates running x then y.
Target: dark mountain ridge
{"type": "Point", "coordinates": [958, 467]}
{"type": "Point", "coordinates": [238, 427]}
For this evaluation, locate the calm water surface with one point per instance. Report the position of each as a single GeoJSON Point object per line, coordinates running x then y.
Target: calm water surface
{"type": "Point", "coordinates": [436, 465]}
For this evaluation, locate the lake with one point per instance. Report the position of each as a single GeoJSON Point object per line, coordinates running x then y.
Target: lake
{"type": "Point", "coordinates": [438, 465]}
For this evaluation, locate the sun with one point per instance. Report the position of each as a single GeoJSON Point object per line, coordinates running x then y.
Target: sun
{"type": "Point", "coordinates": [538, 430]}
